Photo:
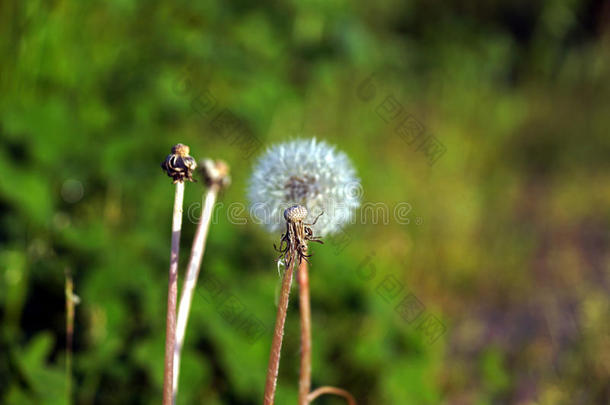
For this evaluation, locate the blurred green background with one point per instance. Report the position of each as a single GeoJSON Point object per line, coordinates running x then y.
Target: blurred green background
{"type": "Point", "coordinates": [506, 249]}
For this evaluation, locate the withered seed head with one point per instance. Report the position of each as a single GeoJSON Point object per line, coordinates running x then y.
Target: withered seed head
{"type": "Point", "coordinates": [295, 213]}
{"type": "Point", "coordinates": [215, 172]}
{"type": "Point", "coordinates": [293, 244]}
{"type": "Point", "coordinates": [179, 165]}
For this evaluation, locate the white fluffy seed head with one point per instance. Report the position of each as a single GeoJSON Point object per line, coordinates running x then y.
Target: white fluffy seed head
{"type": "Point", "coordinates": [304, 172]}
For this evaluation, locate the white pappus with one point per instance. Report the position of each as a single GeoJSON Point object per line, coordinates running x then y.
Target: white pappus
{"type": "Point", "coordinates": [310, 173]}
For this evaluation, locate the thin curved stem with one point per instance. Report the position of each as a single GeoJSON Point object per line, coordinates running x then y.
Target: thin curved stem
{"type": "Point", "coordinates": [305, 309]}
{"type": "Point", "coordinates": [333, 391]}
{"type": "Point", "coordinates": [70, 301]}
{"type": "Point", "coordinates": [278, 334]}
{"type": "Point", "coordinates": [172, 292]}
{"type": "Point", "coordinates": [190, 281]}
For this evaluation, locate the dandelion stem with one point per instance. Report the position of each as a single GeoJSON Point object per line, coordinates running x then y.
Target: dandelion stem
{"type": "Point", "coordinates": [333, 391]}
{"type": "Point", "coordinates": [305, 309]}
{"type": "Point", "coordinates": [278, 334]}
{"type": "Point", "coordinates": [170, 331]}
{"type": "Point", "coordinates": [194, 265]}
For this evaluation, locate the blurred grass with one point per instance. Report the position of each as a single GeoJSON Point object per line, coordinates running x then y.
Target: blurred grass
{"type": "Point", "coordinates": [511, 254]}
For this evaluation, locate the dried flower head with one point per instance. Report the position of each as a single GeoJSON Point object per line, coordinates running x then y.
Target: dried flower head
{"type": "Point", "coordinates": [215, 172]}
{"type": "Point", "coordinates": [309, 173]}
{"type": "Point", "coordinates": [294, 241]}
{"type": "Point", "coordinates": [179, 165]}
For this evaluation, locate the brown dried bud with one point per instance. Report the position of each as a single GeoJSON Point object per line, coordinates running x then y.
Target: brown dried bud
{"type": "Point", "coordinates": [181, 150]}
{"type": "Point", "coordinates": [295, 213]}
{"type": "Point", "coordinates": [215, 172]}
{"type": "Point", "coordinates": [293, 244]}
{"type": "Point", "coordinates": [179, 165]}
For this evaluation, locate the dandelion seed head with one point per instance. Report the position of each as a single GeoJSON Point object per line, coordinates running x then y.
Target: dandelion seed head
{"type": "Point", "coordinates": [304, 172]}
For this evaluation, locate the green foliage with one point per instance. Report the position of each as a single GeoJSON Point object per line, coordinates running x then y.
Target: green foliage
{"type": "Point", "coordinates": [46, 384]}
{"type": "Point", "coordinates": [506, 245]}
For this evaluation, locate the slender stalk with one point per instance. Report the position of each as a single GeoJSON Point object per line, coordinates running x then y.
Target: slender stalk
{"type": "Point", "coordinates": [305, 309]}
{"type": "Point", "coordinates": [172, 292]}
{"type": "Point", "coordinates": [278, 334]}
{"type": "Point", "coordinates": [333, 391]}
{"type": "Point", "coordinates": [305, 397]}
{"type": "Point", "coordinates": [192, 274]}
{"type": "Point", "coordinates": [70, 301]}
